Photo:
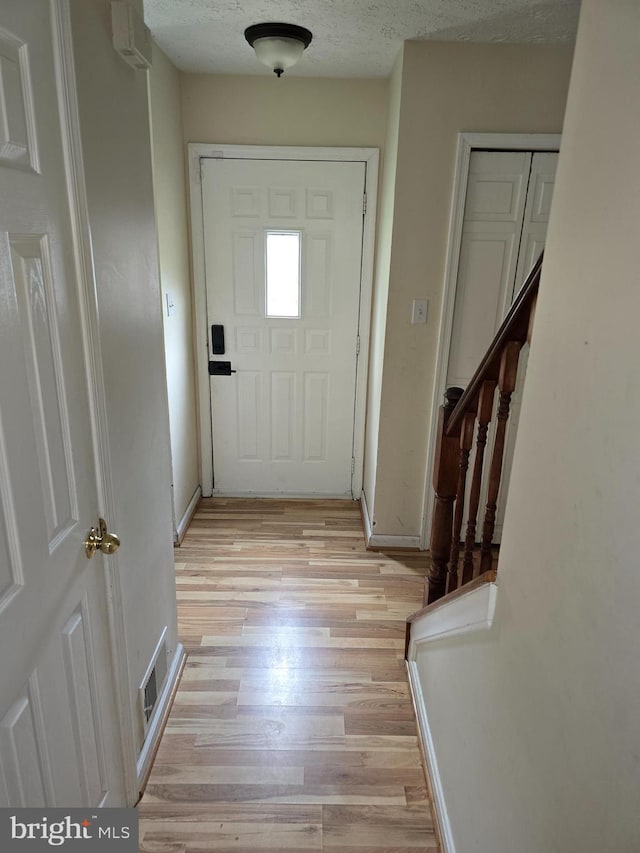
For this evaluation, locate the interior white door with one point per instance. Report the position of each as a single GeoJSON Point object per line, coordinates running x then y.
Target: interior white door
{"type": "Point", "coordinates": [506, 216]}
{"type": "Point", "coordinates": [493, 216]}
{"type": "Point", "coordinates": [283, 247]}
{"type": "Point", "coordinates": [58, 723]}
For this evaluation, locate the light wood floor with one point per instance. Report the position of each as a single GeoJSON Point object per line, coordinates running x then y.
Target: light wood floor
{"type": "Point", "coordinates": [293, 728]}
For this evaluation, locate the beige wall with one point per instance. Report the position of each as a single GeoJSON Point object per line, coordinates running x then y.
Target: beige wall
{"type": "Point", "coordinates": [114, 118]}
{"type": "Point", "coordinates": [446, 89]}
{"type": "Point", "coordinates": [290, 111]}
{"type": "Point", "coordinates": [173, 244]}
{"type": "Point", "coordinates": [536, 724]}
{"type": "Point", "coordinates": [381, 283]}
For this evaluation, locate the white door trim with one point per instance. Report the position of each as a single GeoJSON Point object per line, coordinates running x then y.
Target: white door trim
{"type": "Point", "coordinates": [466, 143]}
{"type": "Point", "coordinates": [88, 302]}
{"type": "Point", "coordinates": [370, 157]}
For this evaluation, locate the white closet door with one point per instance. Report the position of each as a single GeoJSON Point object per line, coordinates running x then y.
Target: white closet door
{"type": "Point", "coordinates": [536, 213]}
{"type": "Point", "coordinates": [493, 217]}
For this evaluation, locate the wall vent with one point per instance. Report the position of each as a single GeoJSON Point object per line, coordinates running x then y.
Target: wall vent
{"type": "Point", "coordinates": [153, 680]}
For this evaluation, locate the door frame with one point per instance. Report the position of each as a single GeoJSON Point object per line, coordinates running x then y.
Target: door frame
{"type": "Point", "coordinates": [368, 156]}
{"type": "Point", "coordinates": [467, 142]}
{"type": "Point", "coordinates": [90, 329]}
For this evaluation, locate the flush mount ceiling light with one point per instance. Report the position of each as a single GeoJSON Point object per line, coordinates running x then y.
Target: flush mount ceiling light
{"type": "Point", "coordinates": [278, 46]}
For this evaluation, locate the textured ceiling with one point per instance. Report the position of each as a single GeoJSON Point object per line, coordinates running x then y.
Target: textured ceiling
{"type": "Point", "coordinates": [351, 38]}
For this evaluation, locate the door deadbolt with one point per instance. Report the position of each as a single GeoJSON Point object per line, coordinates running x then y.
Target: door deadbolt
{"type": "Point", "coordinates": [101, 540]}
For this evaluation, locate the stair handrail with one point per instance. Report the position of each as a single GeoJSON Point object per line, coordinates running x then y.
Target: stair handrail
{"type": "Point", "coordinates": [515, 326]}
{"type": "Point", "coordinates": [456, 426]}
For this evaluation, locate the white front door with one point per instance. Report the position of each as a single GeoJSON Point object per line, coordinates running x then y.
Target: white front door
{"type": "Point", "coordinates": [59, 741]}
{"type": "Point", "coordinates": [283, 250]}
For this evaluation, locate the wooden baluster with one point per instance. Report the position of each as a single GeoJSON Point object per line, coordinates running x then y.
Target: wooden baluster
{"type": "Point", "coordinates": [532, 316]}
{"type": "Point", "coordinates": [466, 442]}
{"type": "Point", "coordinates": [506, 384]}
{"type": "Point", "coordinates": [444, 483]}
{"type": "Point", "coordinates": [485, 405]}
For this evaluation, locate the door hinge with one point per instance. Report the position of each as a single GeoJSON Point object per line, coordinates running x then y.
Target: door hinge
{"type": "Point", "coordinates": [353, 465]}
{"type": "Point", "coordinates": [364, 204]}
{"type": "Point", "coordinates": [358, 345]}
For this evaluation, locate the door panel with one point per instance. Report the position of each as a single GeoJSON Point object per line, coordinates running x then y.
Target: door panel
{"type": "Point", "coordinates": [33, 281]}
{"type": "Point", "coordinates": [26, 761]}
{"type": "Point", "coordinates": [78, 663]}
{"type": "Point", "coordinates": [493, 215]}
{"type": "Point", "coordinates": [486, 268]}
{"type": "Point", "coordinates": [284, 422]}
{"type": "Point", "coordinates": [58, 722]}
{"type": "Point", "coordinates": [497, 187]}
{"type": "Point", "coordinates": [536, 214]}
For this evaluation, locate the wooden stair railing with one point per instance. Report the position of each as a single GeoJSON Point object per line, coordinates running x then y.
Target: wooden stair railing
{"type": "Point", "coordinates": [456, 426]}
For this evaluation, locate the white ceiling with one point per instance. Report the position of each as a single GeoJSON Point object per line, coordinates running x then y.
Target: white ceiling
{"type": "Point", "coordinates": [351, 38]}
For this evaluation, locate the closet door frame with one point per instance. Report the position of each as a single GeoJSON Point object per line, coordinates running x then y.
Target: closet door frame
{"type": "Point", "coordinates": [467, 142]}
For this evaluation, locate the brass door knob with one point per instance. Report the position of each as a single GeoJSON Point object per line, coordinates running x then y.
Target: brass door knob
{"type": "Point", "coordinates": [101, 540]}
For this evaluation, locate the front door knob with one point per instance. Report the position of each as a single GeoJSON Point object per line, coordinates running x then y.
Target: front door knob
{"type": "Point", "coordinates": [101, 540]}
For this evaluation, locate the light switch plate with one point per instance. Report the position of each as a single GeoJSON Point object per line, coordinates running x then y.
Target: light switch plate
{"type": "Point", "coordinates": [419, 310]}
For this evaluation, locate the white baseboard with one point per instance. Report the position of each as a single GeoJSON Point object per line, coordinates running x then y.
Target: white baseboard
{"type": "Point", "coordinates": [189, 512]}
{"type": "Point", "coordinates": [381, 540]}
{"type": "Point", "coordinates": [366, 518]}
{"type": "Point", "coordinates": [439, 803]}
{"type": "Point", "coordinates": [154, 732]}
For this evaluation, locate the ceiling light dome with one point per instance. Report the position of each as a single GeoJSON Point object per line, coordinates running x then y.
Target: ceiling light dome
{"type": "Point", "coordinates": [278, 46]}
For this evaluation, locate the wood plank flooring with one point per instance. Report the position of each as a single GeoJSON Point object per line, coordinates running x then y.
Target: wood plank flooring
{"type": "Point", "coordinates": [292, 728]}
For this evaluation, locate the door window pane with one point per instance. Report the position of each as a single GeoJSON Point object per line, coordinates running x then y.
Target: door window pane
{"type": "Point", "coordinates": [283, 273]}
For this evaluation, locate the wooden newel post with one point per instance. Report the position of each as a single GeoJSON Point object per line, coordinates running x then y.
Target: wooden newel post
{"type": "Point", "coordinates": [445, 484]}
